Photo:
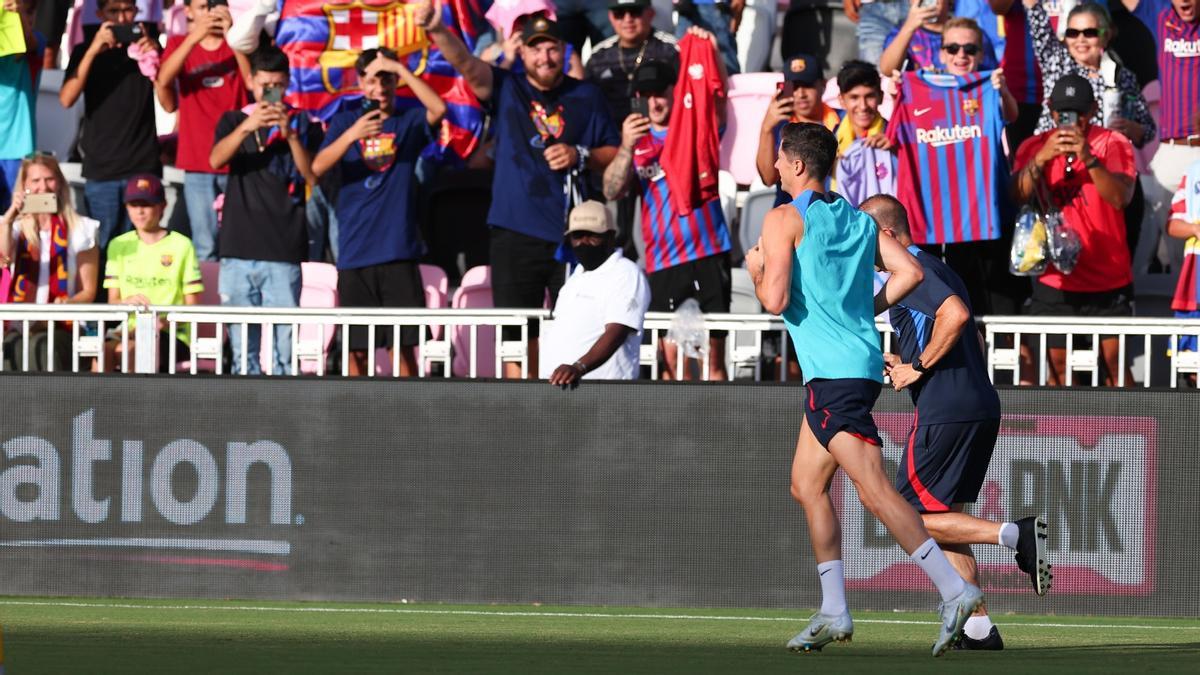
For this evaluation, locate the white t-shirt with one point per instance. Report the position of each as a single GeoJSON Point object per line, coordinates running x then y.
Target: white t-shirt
{"type": "Point", "coordinates": [82, 238]}
{"type": "Point", "coordinates": [615, 292]}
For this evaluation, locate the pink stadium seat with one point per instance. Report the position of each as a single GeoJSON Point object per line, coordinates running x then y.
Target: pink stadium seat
{"type": "Point", "coordinates": [437, 292]}
{"type": "Point", "coordinates": [750, 95]}
{"type": "Point", "coordinates": [318, 288]}
{"type": "Point", "coordinates": [475, 292]}
{"type": "Point", "coordinates": [210, 276]}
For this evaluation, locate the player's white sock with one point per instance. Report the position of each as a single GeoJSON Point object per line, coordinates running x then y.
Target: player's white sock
{"type": "Point", "coordinates": [833, 587]}
{"type": "Point", "coordinates": [1009, 533]}
{"type": "Point", "coordinates": [931, 559]}
{"type": "Point", "coordinates": [978, 627]}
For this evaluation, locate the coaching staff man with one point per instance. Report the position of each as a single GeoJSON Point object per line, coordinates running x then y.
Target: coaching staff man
{"type": "Point", "coordinates": [955, 425]}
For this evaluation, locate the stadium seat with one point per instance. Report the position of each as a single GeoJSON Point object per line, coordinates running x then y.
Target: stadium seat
{"type": "Point", "coordinates": [744, 348]}
{"type": "Point", "coordinates": [757, 205]}
{"type": "Point", "coordinates": [207, 348]}
{"type": "Point", "coordinates": [475, 292]}
{"type": "Point", "coordinates": [318, 289]}
{"type": "Point", "coordinates": [750, 95]}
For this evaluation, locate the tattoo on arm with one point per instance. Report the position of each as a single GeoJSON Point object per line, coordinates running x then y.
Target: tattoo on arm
{"type": "Point", "coordinates": [617, 174]}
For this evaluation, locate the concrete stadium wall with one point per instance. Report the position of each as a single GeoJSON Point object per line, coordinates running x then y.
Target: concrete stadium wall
{"type": "Point", "coordinates": [616, 494]}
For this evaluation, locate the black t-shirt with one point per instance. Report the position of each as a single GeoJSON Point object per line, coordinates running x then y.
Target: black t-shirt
{"type": "Point", "coordinates": [957, 388]}
{"type": "Point", "coordinates": [611, 67]}
{"type": "Point", "coordinates": [119, 138]}
{"type": "Point", "coordinates": [263, 218]}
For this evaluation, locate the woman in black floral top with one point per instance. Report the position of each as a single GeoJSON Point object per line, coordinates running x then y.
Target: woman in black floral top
{"type": "Point", "coordinates": [1121, 106]}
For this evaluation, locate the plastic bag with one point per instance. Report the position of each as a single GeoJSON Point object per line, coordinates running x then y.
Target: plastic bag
{"type": "Point", "coordinates": [687, 329]}
{"type": "Point", "coordinates": [1028, 256]}
{"type": "Point", "coordinates": [1063, 244]}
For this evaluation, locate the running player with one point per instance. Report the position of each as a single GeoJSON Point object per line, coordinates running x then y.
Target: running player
{"type": "Point", "coordinates": [814, 264]}
{"type": "Point", "coordinates": [955, 425]}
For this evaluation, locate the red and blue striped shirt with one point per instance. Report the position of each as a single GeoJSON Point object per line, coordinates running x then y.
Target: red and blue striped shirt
{"type": "Point", "coordinates": [673, 239]}
{"type": "Point", "coordinates": [1020, 65]}
{"type": "Point", "coordinates": [951, 172]}
{"type": "Point", "coordinates": [1178, 66]}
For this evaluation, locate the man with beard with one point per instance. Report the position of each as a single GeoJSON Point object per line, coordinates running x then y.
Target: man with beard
{"type": "Point", "coordinates": [550, 130]}
{"type": "Point", "coordinates": [597, 326]}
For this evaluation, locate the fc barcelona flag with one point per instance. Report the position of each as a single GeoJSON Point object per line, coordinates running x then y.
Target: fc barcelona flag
{"type": "Point", "coordinates": [322, 38]}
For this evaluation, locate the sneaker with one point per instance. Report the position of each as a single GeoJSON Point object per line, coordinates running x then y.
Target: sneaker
{"type": "Point", "coordinates": [1031, 552]}
{"type": "Point", "coordinates": [823, 629]}
{"type": "Point", "coordinates": [954, 614]}
{"type": "Point", "coordinates": [992, 642]}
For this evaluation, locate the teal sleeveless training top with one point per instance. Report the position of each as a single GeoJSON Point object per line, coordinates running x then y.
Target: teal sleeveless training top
{"type": "Point", "coordinates": [831, 311]}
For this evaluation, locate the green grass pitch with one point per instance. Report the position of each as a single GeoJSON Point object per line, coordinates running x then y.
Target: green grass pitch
{"type": "Point", "coordinates": [58, 635]}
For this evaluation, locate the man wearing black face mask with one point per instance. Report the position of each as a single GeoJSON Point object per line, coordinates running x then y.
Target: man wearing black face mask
{"type": "Point", "coordinates": [597, 327]}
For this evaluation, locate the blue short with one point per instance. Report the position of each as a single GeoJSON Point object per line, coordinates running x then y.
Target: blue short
{"type": "Point", "coordinates": [842, 405]}
{"type": "Point", "coordinates": [945, 464]}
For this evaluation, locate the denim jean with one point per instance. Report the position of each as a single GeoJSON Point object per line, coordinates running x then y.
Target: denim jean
{"type": "Point", "coordinates": [322, 226]}
{"type": "Point", "coordinates": [260, 283]}
{"type": "Point", "coordinates": [714, 19]}
{"type": "Point", "coordinates": [105, 203]}
{"type": "Point", "coordinates": [875, 21]}
{"type": "Point", "coordinates": [199, 191]}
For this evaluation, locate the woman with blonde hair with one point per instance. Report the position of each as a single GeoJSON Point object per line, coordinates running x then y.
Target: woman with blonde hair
{"type": "Point", "coordinates": [51, 250]}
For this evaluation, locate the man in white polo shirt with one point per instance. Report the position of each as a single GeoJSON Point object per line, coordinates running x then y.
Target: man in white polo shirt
{"type": "Point", "coordinates": [597, 327]}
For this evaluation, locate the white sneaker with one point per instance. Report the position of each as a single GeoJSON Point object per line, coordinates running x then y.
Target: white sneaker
{"type": "Point", "coordinates": [954, 615]}
{"type": "Point", "coordinates": [823, 629]}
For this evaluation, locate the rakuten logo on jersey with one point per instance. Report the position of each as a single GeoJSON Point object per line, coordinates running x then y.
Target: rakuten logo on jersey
{"type": "Point", "coordinates": [939, 136]}
{"type": "Point", "coordinates": [1182, 48]}
{"type": "Point", "coordinates": [1092, 477]}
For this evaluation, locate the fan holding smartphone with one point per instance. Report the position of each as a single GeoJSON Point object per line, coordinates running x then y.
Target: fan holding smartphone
{"type": "Point", "coordinates": [797, 99]}
{"type": "Point", "coordinates": [207, 74]}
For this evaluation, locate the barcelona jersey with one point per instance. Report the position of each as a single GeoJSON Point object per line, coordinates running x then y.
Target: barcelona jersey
{"type": "Point", "coordinates": [952, 176]}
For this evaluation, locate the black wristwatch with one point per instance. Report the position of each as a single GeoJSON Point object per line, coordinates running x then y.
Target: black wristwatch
{"type": "Point", "coordinates": [917, 366]}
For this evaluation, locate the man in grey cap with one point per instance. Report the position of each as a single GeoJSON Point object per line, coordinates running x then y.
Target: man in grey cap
{"type": "Point", "coordinates": [1086, 172]}
{"type": "Point", "coordinates": [597, 327]}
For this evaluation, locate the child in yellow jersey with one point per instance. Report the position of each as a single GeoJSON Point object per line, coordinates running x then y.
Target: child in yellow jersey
{"type": "Point", "coordinates": [150, 266]}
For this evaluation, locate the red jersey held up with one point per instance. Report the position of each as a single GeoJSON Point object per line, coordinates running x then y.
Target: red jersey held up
{"type": "Point", "coordinates": [1104, 262]}
{"type": "Point", "coordinates": [692, 154]}
{"type": "Point", "coordinates": [209, 86]}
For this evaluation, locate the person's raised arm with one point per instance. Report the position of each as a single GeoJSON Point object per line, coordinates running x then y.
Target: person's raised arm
{"type": "Point", "coordinates": [770, 262]}
{"type": "Point", "coordinates": [895, 53]}
{"type": "Point", "coordinates": [435, 107]}
{"type": "Point", "coordinates": [224, 149]}
{"type": "Point", "coordinates": [778, 112]}
{"type": "Point", "coordinates": [73, 86]}
{"type": "Point", "coordinates": [370, 124]}
{"type": "Point", "coordinates": [890, 256]}
{"type": "Point", "coordinates": [1051, 53]}
{"type": "Point", "coordinates": [618, 175]}
{"type": "Point", "coordinates": [477, 74]}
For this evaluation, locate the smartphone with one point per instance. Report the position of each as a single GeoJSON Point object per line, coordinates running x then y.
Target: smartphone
{"type": "Point", "coordinates": [217, 3]}
{"type": "Point", "coordinates": [272, 95]}
{"type": "Point", "coordinates": [127, 34]}
{"type": "Point", "coordinates": [1068, 118]}
{"type": "Point", "coordinates": [43, 202]}
{"type": "Point", "coordinates": [785, 89]}
{"type": "Point", "coordinates": [369, 105]}
{"type": "Point", "coordinates": [639, 106]}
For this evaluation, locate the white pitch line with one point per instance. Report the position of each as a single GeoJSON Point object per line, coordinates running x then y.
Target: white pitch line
{"type": "Point", "coordinates": [510, 613]}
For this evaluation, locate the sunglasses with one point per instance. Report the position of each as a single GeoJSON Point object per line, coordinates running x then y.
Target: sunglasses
{"type": "Point", "coordinates": [1085, 32]}
{"type": "Point", "coordinates": [968, 49]}
{"type": "Point", "coordinates": [621, 13]}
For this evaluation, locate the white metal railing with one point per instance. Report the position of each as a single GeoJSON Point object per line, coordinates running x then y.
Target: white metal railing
{"type": "Point", "coordinates": [1017, 346]}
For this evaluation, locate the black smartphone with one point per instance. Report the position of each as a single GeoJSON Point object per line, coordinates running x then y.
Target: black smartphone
{"type": "Point", "coordinates": [369, 105]}
{"type": "Point", "coordinates": [639, 106]}
{"type": "Point", "coordinates": [272, 95]}
{"type": "Point", "coordinates": [785, 89]}
{"type": "Point", "coordinates": [1068, 118]}
{"type": "Point", "coordinates": [127, 34]}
